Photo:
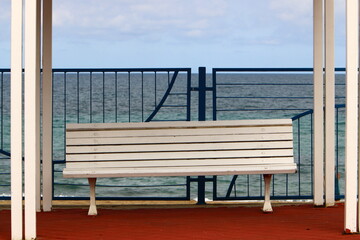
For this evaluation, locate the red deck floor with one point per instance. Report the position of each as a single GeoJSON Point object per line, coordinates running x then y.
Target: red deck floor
{"type": "Point", "coordinates": [287, 222]}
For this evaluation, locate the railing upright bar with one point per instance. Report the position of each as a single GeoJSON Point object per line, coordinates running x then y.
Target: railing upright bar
{"type": "Point", "coordinates": [103, 95]}
{"type": "Point", "coordinates": [202, 117]}
{"type": "Point", "coordinates": [129, 95]}
{"type": "Point", "coordinates": [78, 96]}
{"type": "Point", "coordinates": [52, 141]}
{"type": "Point", "coordinates": [91, 97]}
{"type": "Point", "coordinates": [188, 111]}
{"type": "Point", "coordinates": [214, 94]}
{"type": "Point", "coordinates": [155, 89]}
{"type": "Point", "coordinates": [299, 155]}
{"type": "Point", "coordinates": [142, 96]}
{"type": "Point", "coordinates": [65, 117]}
{"type": "Point", "coordinates": [337, 190]}
{"type": "Point", "coordinates": [312, 152]}
{"type": "Point", "coordinates": [2, 110]}
{"type": "Point", "coordinates": [116, 96]}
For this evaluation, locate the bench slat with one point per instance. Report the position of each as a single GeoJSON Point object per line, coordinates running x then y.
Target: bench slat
{"type": "Point", "coordinates": [180, 171]}
{"type": "Point", "coordinates": [182, 155]}
{"type": "Point", "coordinates": [178, 147]}
{"type": "Point", "coordinates": [180, 124]}
{"type": "Point", "coordinates": [179, 139]}
{"type": "Point", "coordinates": [179, 132]}
{"type": "Point", "coordinates": [184, 162]}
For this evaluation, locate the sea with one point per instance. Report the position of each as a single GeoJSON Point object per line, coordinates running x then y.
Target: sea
{"type": "Point", "coordinates": [84, 97]}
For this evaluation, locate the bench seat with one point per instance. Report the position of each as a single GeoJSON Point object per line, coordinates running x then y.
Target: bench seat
{"type": "Point", "coordinates": [179, 149]}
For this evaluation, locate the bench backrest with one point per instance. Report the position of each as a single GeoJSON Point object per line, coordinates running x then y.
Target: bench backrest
{"type": "Point", "coordinates": [179, 143]}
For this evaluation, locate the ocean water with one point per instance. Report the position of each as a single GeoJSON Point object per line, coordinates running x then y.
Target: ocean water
{"type": "Point", "coordinates": [123, 97]}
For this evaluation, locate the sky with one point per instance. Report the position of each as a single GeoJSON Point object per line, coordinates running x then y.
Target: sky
{"type": "Point", "coordinates": [181, 33]}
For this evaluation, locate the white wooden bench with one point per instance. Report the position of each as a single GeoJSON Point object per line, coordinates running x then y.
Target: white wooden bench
{"type": "Point", "coordinates": [179, 149]}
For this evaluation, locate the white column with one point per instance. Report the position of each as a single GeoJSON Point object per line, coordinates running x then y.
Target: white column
{"type": "Point", "coordinates": [38, 43]}
{"type": "Point", "coordinates": [32, 90]}
{"type": "Point", "coordinates": [16, 120]}
{"type": "Point", "coordinates": [329, 104]}
{"type": "Point", "coordinates": [351, 130]}
{"type": "Point", "coordinates": [47, 105]}
{"type": "Point", "coordinates": [318, 103]}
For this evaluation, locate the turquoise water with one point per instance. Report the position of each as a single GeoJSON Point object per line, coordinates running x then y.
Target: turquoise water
{"type": "Point", "coordinates": [123, 98]}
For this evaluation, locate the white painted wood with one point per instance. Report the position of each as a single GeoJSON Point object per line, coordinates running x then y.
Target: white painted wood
{"type": "Point", "coordinates": [178, 147]}
{"type": "Point", "coordinates": [267, 203]}
{"type": "Point", "coordinates": [16, 120]}
{"type": "Point", "coordinates": [47, 105]}
{"type": "Point", "coordinates": [188, 149]}
{"type": "Point", "coordinates": [318, 183]}
{"type": "Point", "coordinates": [180, 124]}
{"type": "Point", "coordinates": [31, 117]}
{"type": "Point", "coordinates": [37, 82]}
{"type": "Point", "coordinates": [181, 162]}
{"type": "Point", "coordinates": [351, 128]}
{"type": "Point", "coordinates": [329, 104]}
{"type": "Point", "coordinates": [92, 208]}
{"type": "Point", "coordinates": [180, 171]}
{"type": "Point", "coordinates": [179, 139]}
{"type": "Point", "coordinates": [182, 155]}
{"type": "Point", "coordinates": [178, 132]}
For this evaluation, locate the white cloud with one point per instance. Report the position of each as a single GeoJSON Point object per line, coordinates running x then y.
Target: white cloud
{"type": "Point", "coordinates": [123, 19]}
{"type": "Point", "coordinates": [298, 12]}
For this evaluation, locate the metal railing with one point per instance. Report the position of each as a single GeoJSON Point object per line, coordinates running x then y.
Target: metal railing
{"type": "Point", "coordinates": [124, 95]}
{"type": "Point", "coordinates": [118, 95]}
{"type": "Point", "coordinates": [243, 93]}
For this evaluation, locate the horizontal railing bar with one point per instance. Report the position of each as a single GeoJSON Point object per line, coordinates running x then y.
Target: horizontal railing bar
{"type": "Point", "coordinates": [270, 69]}
{"type": "Point", "coordinates": [268, 97]}
{"type": "Point", "coordinates": [173, 106]}
{"type": "Point", "coordinates": [121, 186]}
{"type": "Point", "coordinates": [262, 197]}
{"type": "Point", "coordinates": [264, 84]}
{"type": "Point", "coordinates": [125, 198]}
{"type": "Point", "coordinates": [271, 84]}
{"type": "Point", "coordinates": [176, 94]}
{"type": "Point", "coordinates": [170, 120]}
{"type": "Point", "coordinates": [120, 69]}
{"type": "Point", "coordinates": [264, 109]}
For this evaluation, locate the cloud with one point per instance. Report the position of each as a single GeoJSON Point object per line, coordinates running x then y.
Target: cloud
{"type": "Point", "coordinates": [124, 19]}
{"type": "Point", "coordinates": [298, 12]}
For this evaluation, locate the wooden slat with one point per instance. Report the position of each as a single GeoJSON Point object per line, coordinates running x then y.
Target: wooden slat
{"type": "Point", "coordinates": [182, 155]}
{"type": "Point", "coordinates": [180, 171]}
{"type": "Point", "coordinates": [180, 124]}
{"type": "Point", "coordinates": [178, 132]}
{"type": "Point", "coordinates": [178, 147]}
{"type": "Point", "coordinates": [180, 139]}
{"type": "Point", "coordinates": [174, 163]}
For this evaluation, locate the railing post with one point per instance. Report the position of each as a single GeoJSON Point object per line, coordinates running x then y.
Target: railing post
{"type": "Point", "coordinates": [202, 117]}
{"type": "Point", "coordinates": [202, 93]}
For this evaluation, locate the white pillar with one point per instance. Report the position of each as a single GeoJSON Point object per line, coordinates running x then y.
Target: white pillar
{"type": "Point", "coordinates": [351, 130]}
{"type": "Point", "coordinates": [47, 105]}
{"type": "Point", "coordinates": [38, 44]}
{"type": "Point", "coordinates": [329, 104]}
{"type": "Point", "coordinates": [318, 104]}
{"type": "Point", "coordinates": [32, 90]}
{"type": "Point", "coordinates": [16, 120]}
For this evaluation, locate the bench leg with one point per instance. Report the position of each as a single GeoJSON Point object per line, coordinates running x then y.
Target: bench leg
{"type": "Point", "coordinates": [267, 204]}
{"type": "Point", "coordinates": [92, 209]}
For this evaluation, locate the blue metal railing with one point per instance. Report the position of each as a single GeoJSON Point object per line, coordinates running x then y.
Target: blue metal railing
{"type": "Point", "coordinates": [123, 95]}
{"type": "Point", "coordinates": [118, 95]}
{"type": "Point", "coordinates": [242, 93]}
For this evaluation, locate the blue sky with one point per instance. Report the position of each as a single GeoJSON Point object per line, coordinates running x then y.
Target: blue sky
{"type": "Point", "coordinates": [181, 33]}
